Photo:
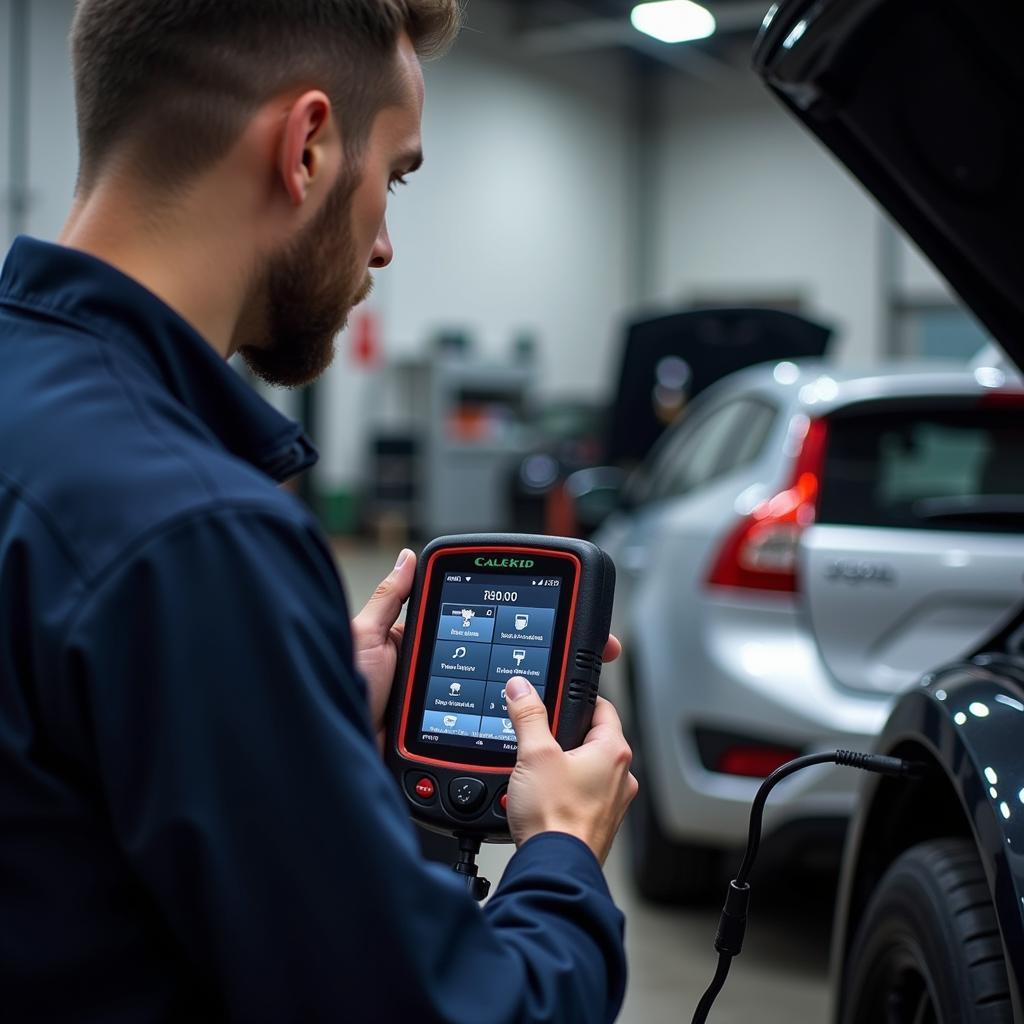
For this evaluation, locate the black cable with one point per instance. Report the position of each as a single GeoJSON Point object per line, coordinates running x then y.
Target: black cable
{"type": "Point", "coordinates": [733, 922]}
{"type": "Point", "coordinates": [757, 808]}
{"type": "Point", "coordinates": [717, 983]}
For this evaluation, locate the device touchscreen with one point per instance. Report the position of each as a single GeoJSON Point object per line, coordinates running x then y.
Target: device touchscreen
{"type": "Point", "coordinates": [489, 628]}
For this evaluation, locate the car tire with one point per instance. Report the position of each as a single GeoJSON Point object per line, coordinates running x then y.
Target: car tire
{"type": "Point", "coordinates": [663, 870]}
{"type": "Point", "coordinates": [928, 948]}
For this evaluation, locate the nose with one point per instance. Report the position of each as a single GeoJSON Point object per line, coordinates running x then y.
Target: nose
{"type": "Point", "coordinates": [383, 253]}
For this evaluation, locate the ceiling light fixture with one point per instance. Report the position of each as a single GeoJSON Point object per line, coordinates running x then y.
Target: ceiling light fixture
{"type": "Point", "coordinates": [673, 21]}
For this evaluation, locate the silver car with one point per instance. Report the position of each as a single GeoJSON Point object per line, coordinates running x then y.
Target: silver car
{"type": "Point", "coordinates": [793, 555]}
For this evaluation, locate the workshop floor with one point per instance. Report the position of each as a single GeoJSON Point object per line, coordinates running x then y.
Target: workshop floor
{"type": "Point", "coordinates": [781, 975]}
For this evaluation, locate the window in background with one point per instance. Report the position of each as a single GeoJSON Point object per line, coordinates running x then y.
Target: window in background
{"type": "Point", "coordinates": [705, 449]}
{"type": "Point", "coordinates": [937, 331]}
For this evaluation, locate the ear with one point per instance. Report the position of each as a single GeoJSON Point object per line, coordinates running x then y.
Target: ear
{"type": "Point", "coordinates": [305, 145]}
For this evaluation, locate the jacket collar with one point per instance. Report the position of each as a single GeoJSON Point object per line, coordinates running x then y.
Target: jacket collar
{"type": "Point", "coordinates": [89, 294]}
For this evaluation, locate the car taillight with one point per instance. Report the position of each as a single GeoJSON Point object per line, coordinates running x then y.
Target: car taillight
{"type": "Point", "coordinates": [761, 552]}
{"type": "Point", "coordinates": [1003, 400]}
{"type": "Point", "coordinates": [754, 762]}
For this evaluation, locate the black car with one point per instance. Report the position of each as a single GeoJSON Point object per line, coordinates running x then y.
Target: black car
{"type": "Point", "coordinates": [923, 100]}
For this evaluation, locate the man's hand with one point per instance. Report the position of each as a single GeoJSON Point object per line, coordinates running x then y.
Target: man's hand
{"type": "Point", "coordinates": [378, 640]}
{"type": "Point", "coordinates": [584, 792]}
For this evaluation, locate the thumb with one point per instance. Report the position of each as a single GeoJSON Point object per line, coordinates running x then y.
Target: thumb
{"type": "Point", "coordinates": [381, 612]}
{"type": "Point", "coordinates": [528, 714]}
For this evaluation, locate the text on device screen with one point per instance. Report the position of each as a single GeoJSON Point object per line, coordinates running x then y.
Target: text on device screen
{"type": "Point", "coordinates": [490, 628]}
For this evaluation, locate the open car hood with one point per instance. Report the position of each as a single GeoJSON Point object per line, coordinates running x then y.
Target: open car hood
{"type": "Point", "coordinates": [923, 101]}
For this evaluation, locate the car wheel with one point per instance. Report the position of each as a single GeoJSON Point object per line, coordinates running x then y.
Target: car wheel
{"type": "Point", "coordinates": [663, 870]}
{"type": "Point", "coordinates": [928, 950]}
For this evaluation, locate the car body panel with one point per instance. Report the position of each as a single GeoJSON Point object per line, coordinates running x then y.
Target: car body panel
{"type": "Point", "coordinates": [942, 151]}
{"type": "Point", "coordinates": [968, 719]}
{"type": "Point", "coordinates": [919, 598]}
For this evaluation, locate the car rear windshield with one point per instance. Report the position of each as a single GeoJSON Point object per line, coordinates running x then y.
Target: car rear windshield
{"type": "Point", "coordinates": [946, 469]}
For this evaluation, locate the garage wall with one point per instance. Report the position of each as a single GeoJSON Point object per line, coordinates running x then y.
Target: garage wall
{"type": "Point", "coordinates": [53, 146]}
{"type": "Point", "coordinates": [5, 110]}
{"type": "Point", "coordinates": [519, 220]}
{"type": "Point", "coordinates": [753, 208]}
{"type": "Point", "coordinates": [518, 223]}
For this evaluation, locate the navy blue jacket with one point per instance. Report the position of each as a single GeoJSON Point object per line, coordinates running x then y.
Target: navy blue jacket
{"type": "Point", "coordinates": [195, 823]}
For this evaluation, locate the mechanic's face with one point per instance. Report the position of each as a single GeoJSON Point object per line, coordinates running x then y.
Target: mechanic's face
{"type": "Point", "coordinates": [312, 288]}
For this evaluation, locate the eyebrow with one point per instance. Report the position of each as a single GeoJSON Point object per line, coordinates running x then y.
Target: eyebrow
{"type": "Point", "coordinates": [410, 162]}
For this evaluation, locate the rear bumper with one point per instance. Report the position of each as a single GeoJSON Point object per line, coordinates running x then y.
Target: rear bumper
{"type": "Point", "coordinates": [754, 671]}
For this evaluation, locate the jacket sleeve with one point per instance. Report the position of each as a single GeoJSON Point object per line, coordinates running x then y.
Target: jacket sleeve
{"type": "Point", "coordinates": [235, 755]}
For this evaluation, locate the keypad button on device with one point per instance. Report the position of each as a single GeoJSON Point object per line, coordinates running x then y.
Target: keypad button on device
{"type": "Point", "coordinates": [420, 787]}
{"type": "Point", "coordinates": [466, 794]}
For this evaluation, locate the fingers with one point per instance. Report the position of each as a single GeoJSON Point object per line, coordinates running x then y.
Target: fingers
{"type": "Point", "coordinates": [613, 649]}
{"type": "Point", "coordinates": [529, 716]}
{"type": "Point", "coordinates": [606, 729]}
{"type": "Point", "coordinates": [605, 714]}
{"type": "Point", "coordinates": [382, 610]}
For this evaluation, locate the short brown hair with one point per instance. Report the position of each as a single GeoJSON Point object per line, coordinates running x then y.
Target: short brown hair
{"type": "Point", "coordinates": [176, 80]}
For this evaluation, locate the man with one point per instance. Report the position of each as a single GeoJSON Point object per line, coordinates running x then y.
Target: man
{"type": "Point", "coordinates": [195, 822]}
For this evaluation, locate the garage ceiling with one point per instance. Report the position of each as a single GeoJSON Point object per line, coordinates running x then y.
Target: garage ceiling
{"type": "Point", "coordinates": [552, 27]}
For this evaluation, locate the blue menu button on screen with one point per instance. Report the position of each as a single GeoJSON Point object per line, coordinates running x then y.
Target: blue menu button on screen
{"type": "Point", "coordinates": [475, 623]}
{"type": "Point", "coordinates": [451, 724]}
{"type": "Point", "coordinates": [497, 728]}
{"type": "Point", "coordinates": [458, 696]}
{"type": "Point", "coordinates": [533, 627]}
{"type": "Point", "coordinates": [458, 659]}
{"type": "Point", "coordinates": [529, 662]}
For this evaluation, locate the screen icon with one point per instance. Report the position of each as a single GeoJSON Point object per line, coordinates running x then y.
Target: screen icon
{"type": "Point", "coordinates": [467, 617]}
{"type": "Point", "coordinates": [519, 656]}
{"type": "Point", "coordinates": [455, 689]}
{"type": "Point", "coordinates": [522, 621]}
{"type": "Point", "coordinates": [507, 726]}
{"type": "Point", "coordinates": [460, 652]}
{"type": "Point", "coordinates": [450, 721]}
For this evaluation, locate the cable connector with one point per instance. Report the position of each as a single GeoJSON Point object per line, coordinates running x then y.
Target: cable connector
{"type": "Point", "coordinates": [879, 763]}
{"type": "Point", "coordinates": [732, 925]}
{"type": "Point", "coordinates": [477, 886]}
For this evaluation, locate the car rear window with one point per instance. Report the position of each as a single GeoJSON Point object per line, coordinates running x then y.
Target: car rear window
{"type": "Point", "coordinates": [953, 469]}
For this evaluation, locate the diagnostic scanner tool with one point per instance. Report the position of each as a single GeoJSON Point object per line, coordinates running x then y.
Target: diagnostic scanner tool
{"type": "Point", "coordinates": [485, 608]}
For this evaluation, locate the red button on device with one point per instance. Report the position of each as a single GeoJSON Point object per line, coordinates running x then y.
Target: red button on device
{"type": "Point", "coordinates": [503, 802]}
{"type": "Point", "coordinates": [425, 789]}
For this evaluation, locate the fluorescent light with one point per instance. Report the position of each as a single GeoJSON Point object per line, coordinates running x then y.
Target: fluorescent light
{"type": "Point", "coordinates": [673, 21]}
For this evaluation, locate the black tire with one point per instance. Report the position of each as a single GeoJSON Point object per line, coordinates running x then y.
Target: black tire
{"type": "Point", "coordinates": [663, 870]}
{"type": "Point", "coordinates": [928, 950]}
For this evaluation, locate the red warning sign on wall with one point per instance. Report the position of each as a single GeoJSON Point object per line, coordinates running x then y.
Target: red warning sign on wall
{"type": "Point", "coordinates": [366, 348]}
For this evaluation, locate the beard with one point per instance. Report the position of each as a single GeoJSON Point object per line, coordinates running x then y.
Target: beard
{"type": "Point", "coordinates": [308, 293]}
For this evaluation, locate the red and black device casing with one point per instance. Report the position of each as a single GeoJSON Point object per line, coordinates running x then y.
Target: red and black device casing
{"type": "Point", "coordinates": [571, 692]}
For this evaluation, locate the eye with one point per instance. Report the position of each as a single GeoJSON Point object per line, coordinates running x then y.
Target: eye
{"type": "Point", "coordinates": [398, 179]}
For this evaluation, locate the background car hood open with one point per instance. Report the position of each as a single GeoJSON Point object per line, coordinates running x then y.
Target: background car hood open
{"type": "Point", "coordinates": [923, 101]}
